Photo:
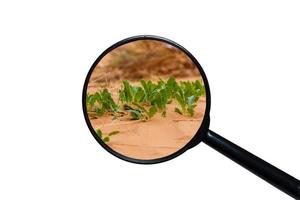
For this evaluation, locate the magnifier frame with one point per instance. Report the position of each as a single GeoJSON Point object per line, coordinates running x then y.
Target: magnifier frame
{"type": "Point", "coordinates": [249, 161]}
{"type": "Point", "coordinates": [205, 122]}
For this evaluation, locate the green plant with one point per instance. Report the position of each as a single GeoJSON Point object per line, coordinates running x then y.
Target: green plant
{"type": "Point", "coordinates": [106, 139]}
{"type": "Point", "coordinates": [129, 93]}
{"type": "Point", "coordinates": [101, 102]}
{"type": "Point", "coordinates": [161, 99]}
{"type": "Point", "coordinates": [143, 102]}
{"type": "Point", "coordinates": [150, 91]}
{"type": "Point", "coordinates": [170, 87]}
{"type": "Point", "coordinates": [138, 111]}
{"type": "Point", "coordinates": [187, 94]}
{"type": "Point", "coordinates": [159, 94]}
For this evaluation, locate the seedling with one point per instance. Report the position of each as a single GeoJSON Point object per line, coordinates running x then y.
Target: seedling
{"type": "Point", "coordinates": [129, 93]}
{"type": "Point", "coordinates": [101, 102]}
{"type": "Point", "coordinates": [106, 139]}
{"type": "Point", "coordinates": [143, 102]}
{"type": "Point", "coordinates": [187, 94]}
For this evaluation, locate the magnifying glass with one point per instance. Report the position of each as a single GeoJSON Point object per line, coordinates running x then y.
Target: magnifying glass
{"type": "Point", "coordinates": [146, 100]}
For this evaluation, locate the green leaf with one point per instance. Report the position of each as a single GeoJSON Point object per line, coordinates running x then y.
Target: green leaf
{"type": "Point", "coordinates": [99, 111]}
{"type": "Point", "coordinates": [113, 133]}
{"type": "Point", "coordinates": [99, 133]}
{"type": "Point", "coordinates": [128, 91]}
{"type": "Point", "coordinates": [152, 111]}
{"type": "Point", "coordinates": [191, 100]}
{"type": "Point", "coordinates": [180, 100]}
{"type": "Point", "coordinates": [139, 95]}
{"type": "Point", "coordinates": [171, 82]}
{"type": "Point", "coordinates": [122, 96]}
{"type": "Point", "coordinates": [106, 139]}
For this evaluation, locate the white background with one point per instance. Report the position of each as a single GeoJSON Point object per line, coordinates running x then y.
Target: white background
{"type": "Point", "coordinates": [249, 51]}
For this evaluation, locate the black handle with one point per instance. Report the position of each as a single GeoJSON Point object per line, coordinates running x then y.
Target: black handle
{"type": "Point", "coordinates": [261, 168]}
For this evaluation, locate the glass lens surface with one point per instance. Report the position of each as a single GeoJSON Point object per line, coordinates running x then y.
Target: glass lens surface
{"type": "Point", "coordinates": [145, 99]}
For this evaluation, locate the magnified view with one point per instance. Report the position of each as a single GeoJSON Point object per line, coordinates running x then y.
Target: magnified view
{"type": "Point", "coordinates": [146, 99]}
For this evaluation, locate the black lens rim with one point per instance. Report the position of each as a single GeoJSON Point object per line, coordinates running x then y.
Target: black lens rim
{"type": "Point", "coordinates": [197, 137]}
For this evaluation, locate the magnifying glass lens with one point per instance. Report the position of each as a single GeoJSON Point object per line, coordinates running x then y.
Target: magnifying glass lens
{"type": "Point", "coordinates": [145, 99]}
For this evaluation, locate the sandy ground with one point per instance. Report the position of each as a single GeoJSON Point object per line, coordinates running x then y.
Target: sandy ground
{"type": "Point", "coordinates": [156, 138]}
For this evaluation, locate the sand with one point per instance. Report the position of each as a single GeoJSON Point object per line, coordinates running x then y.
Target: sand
{"type": "Point", "coordinates": [156, 138]}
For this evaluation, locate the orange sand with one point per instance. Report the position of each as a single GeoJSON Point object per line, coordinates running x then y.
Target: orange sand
{"type": "Point", "coordinates": [156, 138]}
